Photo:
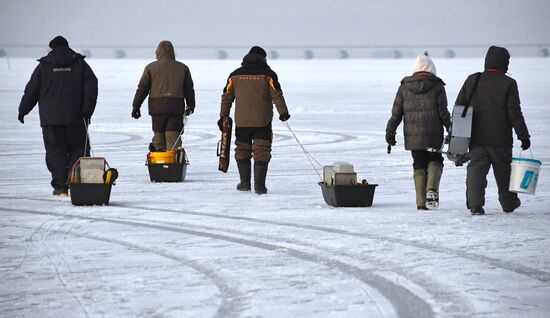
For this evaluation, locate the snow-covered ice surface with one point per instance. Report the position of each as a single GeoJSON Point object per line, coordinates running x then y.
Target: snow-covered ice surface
{"type": "Point", "coordinates": [200, 248]}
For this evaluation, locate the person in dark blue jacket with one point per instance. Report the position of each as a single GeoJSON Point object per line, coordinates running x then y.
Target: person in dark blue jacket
{"type": "Point", "coordinates": [65, 88]}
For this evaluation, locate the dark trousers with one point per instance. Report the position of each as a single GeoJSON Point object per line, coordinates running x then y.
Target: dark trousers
{"type": "Point", "coordinates": [421, 158]}
{"type": "Point", "coordinates": [253, 141]}
{"type": "Point", "coordinates": [482, 158]}
{"type": "Point", "coordinates": [64, 145]}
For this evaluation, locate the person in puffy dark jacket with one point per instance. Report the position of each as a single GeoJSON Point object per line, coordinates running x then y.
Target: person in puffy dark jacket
{"type": "Point", "coordinates": [169, 86]}
{"type": "Point", "coordinates": [496, 110]}
{"type": "Point", "coordinates": [65, 88]}
{"type": "Point", "coordinates": [255, 88]}
{"type": "Point", "coordinates": [421, 102]}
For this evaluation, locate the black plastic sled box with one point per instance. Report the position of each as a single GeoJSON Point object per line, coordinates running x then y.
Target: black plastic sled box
{"type": "Point", "coordinates": [174, 172]}
{"type": "Point", "coordinates": [90, 193]}
{"type": "Point", "coordinates": [91, 180]}
{"type": "Point", "coordinates": [352, 195]}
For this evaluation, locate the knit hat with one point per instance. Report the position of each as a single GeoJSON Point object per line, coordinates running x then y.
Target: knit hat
{"type": "Point", "coordinates": [424, 63]}
{"type": "Point", "coordinates": [497, 57]}
{"type": "Point", "coordinates": [258, 50]}
{"type": "Point", "coordinates": [58, 41]}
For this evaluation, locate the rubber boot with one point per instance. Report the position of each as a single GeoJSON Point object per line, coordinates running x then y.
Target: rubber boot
{"type": "Point", "coordinates": [172, 140]}
{"type": "Point", "coordinates": [435, 169]}
{"type": "Point", "coordinates": [244, 172]}
{"type": "Point", "coordinates": [420, 180]}
{"type": "Point", "coordinates": [260, 172]}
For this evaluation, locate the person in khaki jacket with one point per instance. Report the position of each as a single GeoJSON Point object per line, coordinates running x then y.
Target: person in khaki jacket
{"type": "Point", "coordinates": [170, 87]}
{"type": "Point", "coordinates": [256, 88]}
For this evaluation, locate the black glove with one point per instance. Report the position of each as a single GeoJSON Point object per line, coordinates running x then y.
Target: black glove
{"type": "Point", "coordinates": [525, 144]}
{"type": "Point", "coordinates": [189, 110]}
{"type": "Point", "coordinates": [284, 117]}
{"type": "Point", "coordinates": [390, 139]}
{"type": "Point", "coordinates": [220, 123]}
{"type": "Point", "coordinates": [136, 113]}
{"type": "Point", "coordinates": [21, 118]}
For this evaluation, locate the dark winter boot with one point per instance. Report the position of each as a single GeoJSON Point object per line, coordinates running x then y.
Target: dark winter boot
{"type": "Point", "coordinates": [260, 172]}
{"type": "Point", "coordinates": [517, 203]}
{"type": "Point", "coordinates": [244, 172]}
{"type": "Point", "coordinates": [477, 210]}
{"type": "Point", "coordinates": [435, 169]}
{"type": "Point", "coordinates": [420, 180]}
{"type": "Point", "coordinates": [61, 192]}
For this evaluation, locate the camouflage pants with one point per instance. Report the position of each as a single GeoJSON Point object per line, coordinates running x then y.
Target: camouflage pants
{"type": "Point", "coordinates": [253, 142]}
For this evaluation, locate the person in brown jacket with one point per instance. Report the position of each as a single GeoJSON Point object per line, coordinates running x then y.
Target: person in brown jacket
{"type": "Point", "coordinates": [256, 88]}
{"type": "Point", "coordinates": [170, 87]}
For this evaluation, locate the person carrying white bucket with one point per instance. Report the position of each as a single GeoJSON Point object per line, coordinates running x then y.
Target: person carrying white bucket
{"type": "Point", "coordinates": [496, 110]}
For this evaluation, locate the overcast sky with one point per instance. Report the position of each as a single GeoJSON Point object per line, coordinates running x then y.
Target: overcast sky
{"type": "Point", "coordinates": [276, 23]}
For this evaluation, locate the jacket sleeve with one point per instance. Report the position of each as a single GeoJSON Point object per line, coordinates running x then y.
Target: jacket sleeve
{"type": "Point", "coordinates": [277, 94]}
{"type": "Point", "coordinates": [515, 115]}
{"type": "Point", "coordinates": [444, 114]}
{"type": "Point", "coordinates": [144, 86]}
{"type": "Point", "coordinates": [32, 92]}
{"type": "Point", "coordinates": [90, 91]}
{"type": "Point", "coordinates": [228, 97]}
{"type": "Point", "coordinates": [189, 90]}
{"type": "Point", "coordinates": [396, 113]}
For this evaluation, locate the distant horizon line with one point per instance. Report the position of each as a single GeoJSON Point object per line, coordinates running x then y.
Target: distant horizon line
{"type": "Point", "coordinates": [143, 46]}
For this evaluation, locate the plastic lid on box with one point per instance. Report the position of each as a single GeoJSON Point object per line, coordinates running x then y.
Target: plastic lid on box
{"type": "Point", "coordinates": [343, 167]}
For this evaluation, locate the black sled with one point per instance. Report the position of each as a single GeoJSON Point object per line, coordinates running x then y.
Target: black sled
{"type": "Point", "coordinates": [90, 181]}
{"type": "Point", "coordinates": [167, 166]}
{"type": "Point", "coordinates": [340, 187]}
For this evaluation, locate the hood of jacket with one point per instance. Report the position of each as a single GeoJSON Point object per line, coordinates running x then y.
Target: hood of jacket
{"type": "Point", "coordinates": [421, 82]}
{"type": "Point", "coordinates": [165, 50]}
{"type": "Point", "coordinates": [424, 63]}
{"type": "Point", "coordinates": [61, 56]}
{"type": "Point", "coordinates": [497, 58]}
{"type": "Point", "coordinates": [253, 60]}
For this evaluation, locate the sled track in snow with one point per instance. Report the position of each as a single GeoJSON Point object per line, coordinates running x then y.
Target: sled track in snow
{"type": "Point", "coordinates": [341, 137]}
{"type": "Point", "coordinates": [232, 300]}
{"type": "Point", "coordinates": [405, 303]}
{"type": "Point", "coordinates": [530, 272]}
{"type": "Point", "coordinates": [61, 255]}
{"type": "Point", "coordinates": [533, 273]}
{"type": "Point", "coordinates": [449, 301]}
{"type": "Point", "coordinates": [57, 269]}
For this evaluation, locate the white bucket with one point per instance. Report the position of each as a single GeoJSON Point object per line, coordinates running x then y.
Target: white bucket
{"type": "Point", "coordinates": [524, 175]}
